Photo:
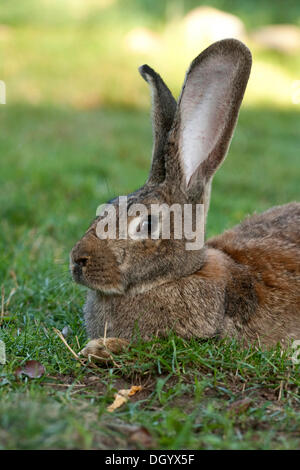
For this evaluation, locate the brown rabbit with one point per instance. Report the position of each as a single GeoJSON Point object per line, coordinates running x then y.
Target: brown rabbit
{"type": "Point", "coordinates": [244, 283]}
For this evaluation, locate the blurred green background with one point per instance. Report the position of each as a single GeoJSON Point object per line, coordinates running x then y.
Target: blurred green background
{"type": "Point", "coordinates": [84, 53]}
{"type": "Point", "coordinates": [76, 131]}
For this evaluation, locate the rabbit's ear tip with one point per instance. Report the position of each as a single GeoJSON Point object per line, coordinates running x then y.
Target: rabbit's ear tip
{"type": "Point", "coordinates": [233, 44]}
{"type": "Point", "coordinates": [145, 71]}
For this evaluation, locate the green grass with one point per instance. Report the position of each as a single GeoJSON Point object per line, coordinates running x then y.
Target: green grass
{"type": "Point", "coordinates": [187, 401]}
{"type": "Point", "coordinates": [74, 133]}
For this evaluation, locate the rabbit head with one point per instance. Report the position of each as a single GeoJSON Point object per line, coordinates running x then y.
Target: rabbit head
{"type": "Point", "coordinates": [191, 139]}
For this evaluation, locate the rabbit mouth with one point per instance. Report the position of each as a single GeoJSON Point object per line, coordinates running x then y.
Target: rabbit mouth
{"type": "Point", "coordinates": [77, 274]}
{"type": "Point", "coordinates": [105, 286]}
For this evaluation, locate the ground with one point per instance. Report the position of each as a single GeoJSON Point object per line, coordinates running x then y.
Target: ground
{"type": "Point", "coordinates": [64, 153]}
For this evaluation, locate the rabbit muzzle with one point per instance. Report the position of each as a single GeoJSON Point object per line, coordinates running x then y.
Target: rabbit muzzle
{"type": "Point", "coordinates": [93, 264]}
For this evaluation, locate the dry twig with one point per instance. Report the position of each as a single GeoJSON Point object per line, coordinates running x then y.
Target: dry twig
{"type": "Point", "coordinates": [82, 362]}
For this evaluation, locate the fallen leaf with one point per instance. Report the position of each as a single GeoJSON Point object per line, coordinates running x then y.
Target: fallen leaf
{"type": "Point", "coordinates": [123, 396]}
{"type": "Point", "coordinates": [240, 406]}
{"type": "Point", "coordinates": [120, 398]}
{"type": "Point", "coordinates": [134, 389]}
{"type": "Point", "coordinates": [32, 369]}
{"type": "Point", "coordinates": [142, 437]}
{"type": "Point", "coordinates": [2, 352]}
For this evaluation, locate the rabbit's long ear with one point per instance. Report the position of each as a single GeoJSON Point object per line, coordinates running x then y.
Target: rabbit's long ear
{"type": "Point", "coordinates": [207, 113]}
{"type": "Point", "coordinates": [163, 112]}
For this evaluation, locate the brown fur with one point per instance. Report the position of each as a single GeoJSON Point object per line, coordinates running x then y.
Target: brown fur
{"type": "Point", "coordinates": [244, 283]}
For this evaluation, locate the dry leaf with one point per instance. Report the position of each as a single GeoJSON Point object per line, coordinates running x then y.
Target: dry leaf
{"type": "Point", "coordinates": [142, 437]}
{"type": "Point", "coordinates": [134, 389]}
{"type": "Point", "coordinates": [122, 397]}
{"type": "Point", "coordinates": [240, 406]}
{"type": "Point", "coordinates": [32, 369]}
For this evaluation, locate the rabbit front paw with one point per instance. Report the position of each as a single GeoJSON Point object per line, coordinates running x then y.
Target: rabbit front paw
{"type": "Point", "coordinates": [99, 350]}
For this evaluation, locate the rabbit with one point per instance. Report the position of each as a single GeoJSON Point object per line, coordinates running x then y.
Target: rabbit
{"type": "Point", "coordinates": [243, 284]}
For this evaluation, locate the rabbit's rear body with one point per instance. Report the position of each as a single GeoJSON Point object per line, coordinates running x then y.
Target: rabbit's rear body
{"type": "Point", "coordinates": [244, 283]}
{"type": "Point", "coordinates": [248, 287]}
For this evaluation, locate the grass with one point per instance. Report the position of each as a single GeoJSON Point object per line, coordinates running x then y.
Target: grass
{"type": "Point", "coordinates": [74, 133]}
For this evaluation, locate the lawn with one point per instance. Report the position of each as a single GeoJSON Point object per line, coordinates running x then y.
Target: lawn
{"type": "Point", "coordinates": [68, 144]}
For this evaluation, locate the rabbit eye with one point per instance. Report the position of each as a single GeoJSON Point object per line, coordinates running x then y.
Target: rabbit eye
{"type": "Point", "coordinates": [146, 228]}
